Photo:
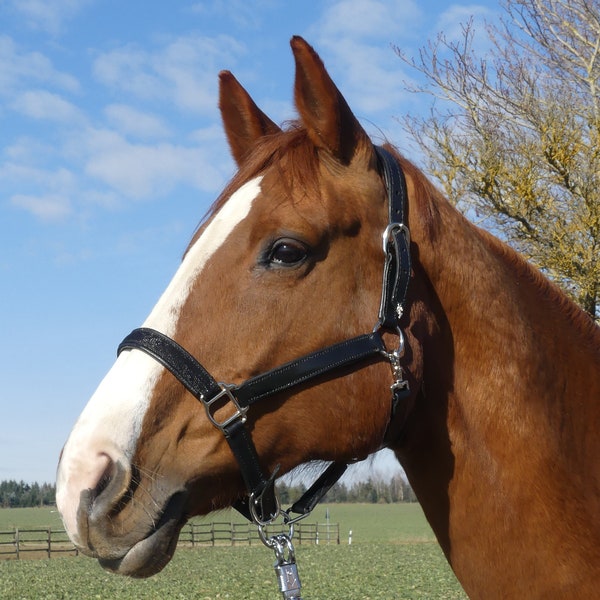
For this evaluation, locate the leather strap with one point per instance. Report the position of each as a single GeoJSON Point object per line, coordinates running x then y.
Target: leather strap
{"type": "Point", "coordinates": [310, 366]}
{"type": "Point", "coordinates": [175, 358]}
{"type": "Point", "coordinates": [204, 387]}
{"type": "Point", "coordinates": [318, 489]}
{"type": "Point", "coordinates": [396, 244]}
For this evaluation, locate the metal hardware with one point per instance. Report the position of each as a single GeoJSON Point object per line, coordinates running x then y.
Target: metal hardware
{"type": "Point", "coordinates": [285, 556]}
{"type": "Point", "coordinates": [240, 411]}
{"type": "Point", "coordinates": [256, 518]}
{"type": "Point", "coordinates": [289, 581]}
{"type": "Point", "coordinates": [271, 542]}
{"type": "Point", "coordinates": [289, 520]}
{"type": "Point", "coordinates": [390, 230]}
{"type": "Point", "coordinates": [394, 358]}
{"type": "Point", "coordinates": [285, 567]}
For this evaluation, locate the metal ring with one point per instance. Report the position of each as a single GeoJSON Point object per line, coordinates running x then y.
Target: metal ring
{"type": "Point", "coordinates": [273, 541]}
{"type": "Point", "coordinates": [253, 503]}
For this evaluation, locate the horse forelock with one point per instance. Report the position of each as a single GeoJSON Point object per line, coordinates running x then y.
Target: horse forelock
{"type": "Point", "coordinates": [293, 154]}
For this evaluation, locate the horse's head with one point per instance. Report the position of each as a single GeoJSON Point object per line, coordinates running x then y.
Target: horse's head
{"type": "Point", "coordinates": [288, 261]}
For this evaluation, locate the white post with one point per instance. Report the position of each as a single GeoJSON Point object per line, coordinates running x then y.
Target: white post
{"type": "Point", "coordinates": [350, 538]}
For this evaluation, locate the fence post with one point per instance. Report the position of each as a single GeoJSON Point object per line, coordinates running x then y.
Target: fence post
{"type": "Point", "coordinates": [49, 542]}
{"type": "Point", "coordinates": [17, 541]}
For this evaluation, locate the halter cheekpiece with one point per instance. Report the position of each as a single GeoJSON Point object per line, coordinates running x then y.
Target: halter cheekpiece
{"type": "Point", "coordinates": [261, 504]}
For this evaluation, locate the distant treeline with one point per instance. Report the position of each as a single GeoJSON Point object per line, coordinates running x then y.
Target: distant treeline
{"type": "Point", "coordinates": [18, 494]}
{"type": "Point", "coordinates": [376, 490]}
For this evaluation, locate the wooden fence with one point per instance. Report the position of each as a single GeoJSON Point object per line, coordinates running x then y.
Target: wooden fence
{"type": "Point", "coordinates": [215, 534]}
{"type": "Point", "coordinates": [45, 542]}
{"type": "Point", "coordinates": [41, 542]}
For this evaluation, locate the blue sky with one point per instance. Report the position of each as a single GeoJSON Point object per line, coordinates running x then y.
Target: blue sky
{"type": "Point", "coordinates": [111, 150]}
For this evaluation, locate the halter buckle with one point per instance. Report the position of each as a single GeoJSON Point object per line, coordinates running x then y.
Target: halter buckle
{"type": "Point", "coordinates": [391, 230]}
{"type": "Point", "coordinates": [216, 402]}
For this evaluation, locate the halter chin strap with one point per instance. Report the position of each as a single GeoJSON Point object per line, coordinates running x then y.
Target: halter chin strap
{"type": "Point", "coordinates": [261, 504]}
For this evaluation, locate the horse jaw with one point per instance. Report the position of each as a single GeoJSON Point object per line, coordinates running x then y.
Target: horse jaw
{"type": "Point", "coordinates": [95, 474]}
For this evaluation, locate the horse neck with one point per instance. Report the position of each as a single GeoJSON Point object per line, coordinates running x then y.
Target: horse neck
{"type": "Point", "coordinates": [502, 446]}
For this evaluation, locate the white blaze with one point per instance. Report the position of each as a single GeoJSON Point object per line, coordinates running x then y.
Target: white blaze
{"type": "Point", "coordinates": [165, 314]}
{"type": "Point", "coordinates": [110, 424]}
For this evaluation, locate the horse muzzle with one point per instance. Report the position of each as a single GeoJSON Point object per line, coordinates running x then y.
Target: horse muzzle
{"type": "Point", "coordinates": [130, 530]}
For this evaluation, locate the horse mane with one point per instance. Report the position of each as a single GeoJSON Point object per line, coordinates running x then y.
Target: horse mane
{"type": "Point", "coordinates": [579, 320]}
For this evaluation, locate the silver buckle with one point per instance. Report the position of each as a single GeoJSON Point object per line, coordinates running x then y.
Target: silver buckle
{"type": "Point", "coordinates": [391, 230]}
{"type": "Point", "coordinates": [240, 411]}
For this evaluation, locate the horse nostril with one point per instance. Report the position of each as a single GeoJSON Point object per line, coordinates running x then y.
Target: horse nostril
{"type": "Point", "coordinates": [111, 484]}
{"type": "Point", "coordinates": [105, 477]}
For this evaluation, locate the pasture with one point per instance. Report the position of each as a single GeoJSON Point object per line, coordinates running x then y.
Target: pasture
{"type": "Point", "coordinates": [393, 556]}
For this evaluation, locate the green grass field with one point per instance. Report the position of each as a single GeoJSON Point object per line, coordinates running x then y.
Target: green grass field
{"type": "Point", "coordinates": [393, 556]}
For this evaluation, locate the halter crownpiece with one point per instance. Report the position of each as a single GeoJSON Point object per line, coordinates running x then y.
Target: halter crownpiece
{"type": "Point", "coordinates": [261, 505]}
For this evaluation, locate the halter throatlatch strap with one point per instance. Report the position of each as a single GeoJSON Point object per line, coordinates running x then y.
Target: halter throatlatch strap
{"type": "Point", "coordinates": [396, 244]}
{"type": "Point", "coordinates": [397, 268]}
{"type": "Point", "coordinates": [261, 504]}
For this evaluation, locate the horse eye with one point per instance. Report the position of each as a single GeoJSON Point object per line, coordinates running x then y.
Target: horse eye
{"type": "Point", "coordinates": [287, 253]}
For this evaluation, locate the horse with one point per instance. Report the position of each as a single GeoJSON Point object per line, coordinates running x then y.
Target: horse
{"type": "Point", "coordinates": [479, 373]}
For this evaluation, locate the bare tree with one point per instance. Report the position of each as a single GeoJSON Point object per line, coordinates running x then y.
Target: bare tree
{"type": "Point", "coordinates": [515, 135]}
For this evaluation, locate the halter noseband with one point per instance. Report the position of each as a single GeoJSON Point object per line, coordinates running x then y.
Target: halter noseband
{"type": "Point", "coordinates": [261, 504]}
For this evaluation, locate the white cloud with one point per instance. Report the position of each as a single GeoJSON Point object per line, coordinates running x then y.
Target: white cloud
{"type": "Point", "coordinates": [19, 68]}
{"type": "Point", "coordinates": [131, 121]}
{"type": "Point", "coordinates": [182, 72]}
{"type": "Point", "coordinates": [49, 16]}
{"type": "Point", "coordinates": [27, 150]}
{"type": "Point", "coordinates": [43, 192]}
{"type": "Point", "coordinates": [49, 207]}
{"type": "Point", "coordinates": [57, 180]}
{"type": "Point", "coordinates": [451, 24]}
{"type": "Point", "coordinates": [128, 68]}
{"type": "Point", "coordinates": [376, 19]}
{"type": "Point", "coordinates": [141, 171]}
{"type": "Point", "coordinates": [355, 38]}
{"type": "Point", "coordinates": [41, 104]}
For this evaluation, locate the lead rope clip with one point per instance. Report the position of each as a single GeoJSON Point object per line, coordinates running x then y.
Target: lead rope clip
{"type": "Point", "coordinates": [400, 388]}
{"type": "Point", "coordinates": [286, 568]}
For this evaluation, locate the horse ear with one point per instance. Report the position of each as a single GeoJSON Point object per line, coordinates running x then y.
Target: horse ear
{"type": "Point", "coordinates": [323, 110]}
{"type": "Point", "coordinates": [243, 121]}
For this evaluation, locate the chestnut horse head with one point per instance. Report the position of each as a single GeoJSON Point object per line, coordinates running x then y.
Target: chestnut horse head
{"type": "Point", "coordinates": [496, 423]}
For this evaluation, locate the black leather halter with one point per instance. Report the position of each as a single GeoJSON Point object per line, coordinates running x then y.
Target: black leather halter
{"type": "Point", "coordinates": [261, 504]}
